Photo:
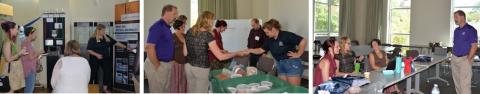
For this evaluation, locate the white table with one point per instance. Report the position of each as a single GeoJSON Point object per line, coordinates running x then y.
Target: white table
{"type": "Point", "coordinates": [379, 81]}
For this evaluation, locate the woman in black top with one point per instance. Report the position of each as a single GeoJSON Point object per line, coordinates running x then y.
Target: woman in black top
{"type": "Point", "coordinates": [286, 47]}
{"type": "Point", "coordinates": [100, 48]}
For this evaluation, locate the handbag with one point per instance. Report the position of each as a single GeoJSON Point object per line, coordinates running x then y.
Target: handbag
{"type": "Point", "coordinates": [4, 80]}
{"type": "Point", "coordinates": [39, 68]}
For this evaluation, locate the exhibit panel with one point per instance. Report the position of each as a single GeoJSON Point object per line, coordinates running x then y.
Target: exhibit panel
{"type": "Point", "coordinates": [126, 63]}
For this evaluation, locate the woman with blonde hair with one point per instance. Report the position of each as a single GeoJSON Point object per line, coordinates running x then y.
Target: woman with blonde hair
{"type": "Point", "coordinates": [198, 42]}
{"type": "Point", "coordinates": [100, 49]}
{"type": "Point", "coordinates": [346, 56]}
{"type": "Point", "coordinates": [71, 73]}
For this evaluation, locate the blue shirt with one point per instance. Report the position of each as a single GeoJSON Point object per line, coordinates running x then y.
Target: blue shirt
{"type": "Point", "coordinates": [161, 35]}
{"type": "Point", "coordinates": [463, 39]}
{"type": "Point", "coordinates": [286, 41]}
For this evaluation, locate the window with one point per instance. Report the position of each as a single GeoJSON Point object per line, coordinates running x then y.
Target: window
{"type": "Point", "coordinates": [472, 11]}
{"type": "Point", "coordinates": [193, 12]}
{"type": "Point", "coordinates": [326, 21]}
{"type": "Point", "coordinates": [399, 22]}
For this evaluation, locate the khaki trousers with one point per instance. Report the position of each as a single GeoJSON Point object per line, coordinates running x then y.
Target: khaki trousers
{"type": "Point", "coordinates": [158, 79]}
{"type": "Point", "coordinates": [197, 79]}
{"type": "Point", "coordinates": [462, 74]}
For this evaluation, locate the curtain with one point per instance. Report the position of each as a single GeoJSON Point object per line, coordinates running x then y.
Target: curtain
{"type": "Point", "coordinates": [347, 19]}
{"type": "Point", "coordinates": [223, 9]}
{"type": "Point", "coordinates": [376, 20]}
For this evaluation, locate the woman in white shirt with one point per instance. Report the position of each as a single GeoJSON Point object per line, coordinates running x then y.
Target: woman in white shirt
{"type": "Point", "coordinates": [71, 73]}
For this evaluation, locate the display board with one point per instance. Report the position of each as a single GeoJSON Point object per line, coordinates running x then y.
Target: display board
{"type": "Point", "coordinates": [53, 40]}
{"type": "Point", "coordinates": [127, 29]}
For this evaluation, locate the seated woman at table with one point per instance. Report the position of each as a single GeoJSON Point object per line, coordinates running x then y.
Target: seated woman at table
{"type": "Point", "coordinates": [328, 66]}
{"type": "Point", "coordinates": [378, 61]}
{"type": "Point", "coordinates": [346, 56]}
{"type": "Point", "coordinates": [377, 58]}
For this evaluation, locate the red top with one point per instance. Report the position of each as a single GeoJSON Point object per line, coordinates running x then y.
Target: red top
{"type": "Point", "coordinates": [317, 76]}
{"type": "Point", "coordinates": [218, 39]}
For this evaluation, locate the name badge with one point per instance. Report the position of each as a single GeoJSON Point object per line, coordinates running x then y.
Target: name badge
{"type": "Point", "coordinates": [257, 38]}
{"type": "Point", "coordinates": [280, 43]}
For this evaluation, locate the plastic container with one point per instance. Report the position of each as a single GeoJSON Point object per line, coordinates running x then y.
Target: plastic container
{"type": "Point", "coordinates": [266, 83]}
{"type": "Point", "coordinates": [387, 72]}
{"type": "Point", "coordinates": [242, 88]}
{"type": "Point", "coordinates": [221, 86]}
{"type": "Point", "coordinates": [232, 89]}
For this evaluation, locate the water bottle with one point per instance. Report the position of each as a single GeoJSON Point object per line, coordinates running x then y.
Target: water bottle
{"type": "Point", "coordinates": [435, 89]}
{"type": "Point", "coordinates": [398, 64]}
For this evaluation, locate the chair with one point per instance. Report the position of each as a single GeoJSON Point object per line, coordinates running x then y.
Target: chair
{"type": "Point", "coordinates": [412, 53]}
{"type": "Point", "coordinates": [443, 52]}
{"type": "Point", "coordinates": [366, 65]}
{"type": "Point", "coordinates": [244, 60]}
{"type": "Point", "coordinates": [266, 65]}
{"type": "Point", "coordinates": [440, 51]}
{"type": "Point", "coordinates": [475, 70]}
{"type": "Point", "coordinates": [304, 56]}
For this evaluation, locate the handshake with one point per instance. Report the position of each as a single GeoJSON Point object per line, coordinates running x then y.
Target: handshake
{"type": "Point", "coordinates": [242, 52]}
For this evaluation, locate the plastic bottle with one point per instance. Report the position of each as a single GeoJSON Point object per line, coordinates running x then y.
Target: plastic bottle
{"type": "Point", "coordinates": [435, 89]}
{"type": "Point", "coordinates": [398, 64]}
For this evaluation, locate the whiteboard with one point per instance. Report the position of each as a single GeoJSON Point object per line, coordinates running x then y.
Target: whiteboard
{"type": "Point", "coordinates": [235, 37]}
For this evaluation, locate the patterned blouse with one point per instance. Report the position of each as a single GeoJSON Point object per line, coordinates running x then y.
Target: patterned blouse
{"type": "Point", "coordinates": [197, 48]}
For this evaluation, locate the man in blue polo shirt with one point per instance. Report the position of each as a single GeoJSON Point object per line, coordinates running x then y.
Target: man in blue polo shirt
{"type": "Point", "coordinates": [464, 48]}
{"type": "Point", "coordinates": [159, 50]}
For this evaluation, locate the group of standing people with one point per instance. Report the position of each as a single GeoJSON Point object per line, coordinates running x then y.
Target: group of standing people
{"type": "Point", "coordinates": [181, 62]}
{"type": "Point", "coordinates": [71, 72]}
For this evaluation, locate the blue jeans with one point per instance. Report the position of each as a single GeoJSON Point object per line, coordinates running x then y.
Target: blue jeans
{"type": "Point", "coordinates": [290, 67]}
{"type": "Point", "coordinates": [30, 82]}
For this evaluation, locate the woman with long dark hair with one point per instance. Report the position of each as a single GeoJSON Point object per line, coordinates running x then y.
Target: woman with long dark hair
{"type": "Point", "coordinates": [11, 56]}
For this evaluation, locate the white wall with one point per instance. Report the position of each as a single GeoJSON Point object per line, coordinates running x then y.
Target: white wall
{"type": "Point", "coordinates": [292, 14]}
{"type": "Point", "coordinates": [430, 21]}
{"type": "Point", "coordinates": [153, 11]}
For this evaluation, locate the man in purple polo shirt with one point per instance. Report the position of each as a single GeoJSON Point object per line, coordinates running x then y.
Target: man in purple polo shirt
{"type": "Point", "coordinates": [160, 51]}
{"type": "Point", "coordinates": [464, 48]}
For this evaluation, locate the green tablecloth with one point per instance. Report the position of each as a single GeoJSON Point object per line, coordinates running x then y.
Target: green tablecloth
{"type": "Point", "coordinates": [279, 86]}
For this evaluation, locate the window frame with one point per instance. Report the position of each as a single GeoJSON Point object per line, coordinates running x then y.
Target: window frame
{"type": "Point", "coordinates": [330, 29]}
{"type": "Point", "coordinates": [390, 32]}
